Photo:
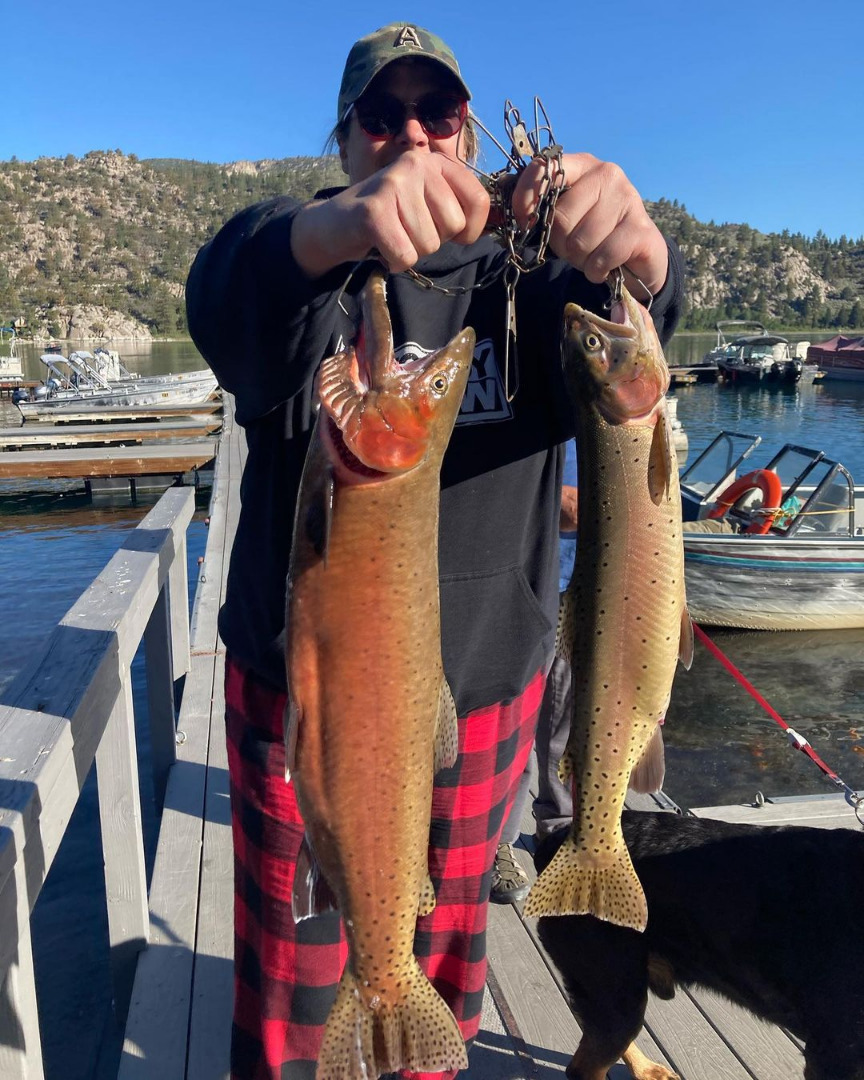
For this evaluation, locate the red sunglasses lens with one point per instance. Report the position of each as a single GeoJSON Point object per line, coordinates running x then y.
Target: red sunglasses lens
{"type": "Point", "coordinates": [440, 115]}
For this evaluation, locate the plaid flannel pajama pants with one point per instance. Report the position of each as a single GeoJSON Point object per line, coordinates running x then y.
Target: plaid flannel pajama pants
{"type": "Point", "coordinates": [285, 974]}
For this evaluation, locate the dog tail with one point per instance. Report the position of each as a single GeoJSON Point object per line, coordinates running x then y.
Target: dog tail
{"type": "Point", "coordinates": [575, 884]}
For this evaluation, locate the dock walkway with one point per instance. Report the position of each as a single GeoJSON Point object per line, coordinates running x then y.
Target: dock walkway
{"type": "Point", "coordinates": [179, 1022]}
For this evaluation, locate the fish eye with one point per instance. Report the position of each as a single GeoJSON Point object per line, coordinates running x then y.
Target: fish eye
{"type": "Point", "coordinates": [592, 341]}
{"type": "Point", "coordinates": [439, 384]}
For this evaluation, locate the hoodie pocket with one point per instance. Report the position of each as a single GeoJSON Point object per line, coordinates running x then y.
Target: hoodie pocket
{"type": "Point", "coordinates": [495, 636]}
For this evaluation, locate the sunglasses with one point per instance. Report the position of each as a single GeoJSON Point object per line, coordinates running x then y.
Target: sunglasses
{"type": "Point", "coordinates": [440, 114]}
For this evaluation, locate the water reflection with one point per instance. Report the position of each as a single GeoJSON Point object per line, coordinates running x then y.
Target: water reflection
{"type": "Point", "coordinates": [723, 747]}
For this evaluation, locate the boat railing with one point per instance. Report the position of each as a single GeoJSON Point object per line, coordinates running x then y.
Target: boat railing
{"type": "Point", "coordinates": [70, 707]}
{"type": "Point", "coordinates": [80, 363]}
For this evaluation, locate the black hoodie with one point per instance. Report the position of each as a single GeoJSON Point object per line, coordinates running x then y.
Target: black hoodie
{"type": "Point", "coordinates": [264, 328]}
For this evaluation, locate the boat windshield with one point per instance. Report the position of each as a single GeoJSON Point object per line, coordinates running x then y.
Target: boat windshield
{"type": "Point", "coordinates": [717, 464]}
{"type": "Point", "coordinates": [823, 502]}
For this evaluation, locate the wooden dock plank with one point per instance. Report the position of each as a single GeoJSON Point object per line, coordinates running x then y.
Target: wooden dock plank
{"type": "Point", "coordinates": [22, 436]}
{"type": "Point", "coordinates": [817, 811]}
{"type": "Point", "coordinates": [108, 461]}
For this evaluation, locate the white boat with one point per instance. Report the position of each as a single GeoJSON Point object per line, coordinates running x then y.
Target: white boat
{"type": "Point", "coordinates": [774, 548]}
{"type": "Point", "coordinates": [11, 370]}
{"type": "Point", "coordinates": [75, 387]}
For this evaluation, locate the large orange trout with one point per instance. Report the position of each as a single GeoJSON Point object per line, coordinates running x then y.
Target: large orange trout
{"type": "Point", "coordinates": [623, 617]}
{"type": "Point", "coordinates": [370, 716]}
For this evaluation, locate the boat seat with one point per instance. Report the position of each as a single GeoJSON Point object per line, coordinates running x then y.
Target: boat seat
{"type": "Point", "coordinates": [709, 525]}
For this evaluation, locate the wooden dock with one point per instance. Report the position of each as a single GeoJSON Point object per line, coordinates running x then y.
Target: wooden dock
{"type": "Point", "coordinates": [152, 454]}
{"type": "Point", "coordinates": [168, 459]}
{"type": "Point", "coordinates": [686, 375]}
{"type": "Point", "coordinates": [179, 1014]}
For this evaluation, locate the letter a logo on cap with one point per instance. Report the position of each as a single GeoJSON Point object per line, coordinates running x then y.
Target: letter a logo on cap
{"type": "Point", "coordinates": [408, 36]}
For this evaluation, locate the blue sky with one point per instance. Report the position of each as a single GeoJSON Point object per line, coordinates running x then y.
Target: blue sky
{"type": "Point", "coordinates": [745, 112]}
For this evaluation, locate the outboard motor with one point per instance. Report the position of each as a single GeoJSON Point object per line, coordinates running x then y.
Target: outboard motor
{"type": "Point", "coordinates": [21, 394]}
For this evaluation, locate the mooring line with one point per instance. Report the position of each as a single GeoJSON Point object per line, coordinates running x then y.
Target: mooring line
{"type": "Point", "coordinates": [796, 740]}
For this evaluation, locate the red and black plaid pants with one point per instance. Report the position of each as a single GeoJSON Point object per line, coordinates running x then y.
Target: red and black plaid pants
{"type": "Point", "coordinates": [285, 974]}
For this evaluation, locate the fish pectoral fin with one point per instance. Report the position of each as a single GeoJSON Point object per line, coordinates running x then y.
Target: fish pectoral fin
{"type": "Point", "coordinates": [366, 1035]}
{"type": "Point", "coordinates": [290, 727]}
{"type": "Point", "coordinates": [572, 885]}
{"type": "Point", "coordinates": [564, 632]}
{"type": "Point", "coordinates": [427, 897]}
{"type": "Point", "coordinates": [661, 460]}
{"type": "Point", "coordinates": [649, 771]}
{"type": "Point", "coordinates": [319, 515]}
{"type": "Point", "coordinates": [446, 729]}
{"type": "Point", "coordinates": [686, 644]}
{"type": "Point", "coordinates": [311, 894]}
{"type": "Point", "coordinates": [565, 767]}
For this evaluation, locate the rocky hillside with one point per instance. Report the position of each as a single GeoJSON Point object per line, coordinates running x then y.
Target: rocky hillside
{"type": "Point", "coordinates": [99, 247]}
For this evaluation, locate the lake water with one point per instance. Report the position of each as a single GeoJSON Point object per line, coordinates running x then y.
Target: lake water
{"type": "Point", "coordinates": [721, 746]}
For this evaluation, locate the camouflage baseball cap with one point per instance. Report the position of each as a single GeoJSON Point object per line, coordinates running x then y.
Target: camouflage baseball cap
{"type": "Point", "coordinates": [371, 54]}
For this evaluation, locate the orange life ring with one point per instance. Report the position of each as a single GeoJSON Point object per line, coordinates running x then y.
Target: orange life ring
{"type": "Point", "coordinates": [772, 492]}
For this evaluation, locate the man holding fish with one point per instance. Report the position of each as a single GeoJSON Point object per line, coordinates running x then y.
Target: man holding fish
{"type": "Point", "coordinates": [372, 691]}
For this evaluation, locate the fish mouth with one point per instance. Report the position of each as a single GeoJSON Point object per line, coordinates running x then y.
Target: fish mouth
{"type": "Point", "coordinates": [350, 467]}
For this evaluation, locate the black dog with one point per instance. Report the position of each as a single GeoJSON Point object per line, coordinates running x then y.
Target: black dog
{"type": "Point", "coordinates": [769, 916]}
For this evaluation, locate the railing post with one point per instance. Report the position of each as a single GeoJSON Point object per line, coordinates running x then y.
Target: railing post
{"type": "Point", "coordinates": [20, 1044]}
{"type": "Point", "coordinates": [160, 692]}
{"type": "Point", "coordinates": [178, 602]}
{"type": "Point", "coordinates": [122, 845]}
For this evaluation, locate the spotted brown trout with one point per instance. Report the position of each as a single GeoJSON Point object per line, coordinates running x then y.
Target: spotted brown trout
{"type": "Point", "coordinates": [371, 717]}
{"type": "Point", "coordinates": [623, 620]}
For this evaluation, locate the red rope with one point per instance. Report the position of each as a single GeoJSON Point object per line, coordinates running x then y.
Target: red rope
{"type": "Point", "coordinates": [798, 741]}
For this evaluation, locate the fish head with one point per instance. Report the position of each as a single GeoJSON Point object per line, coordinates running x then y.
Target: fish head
{"type": "Point", "coordinates": [617, 363]}
{"type": "Point", "coordinates": [382, 417]}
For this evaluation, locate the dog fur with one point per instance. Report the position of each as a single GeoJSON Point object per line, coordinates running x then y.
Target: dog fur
{"type": "Point", "coordinates": [772, 917]}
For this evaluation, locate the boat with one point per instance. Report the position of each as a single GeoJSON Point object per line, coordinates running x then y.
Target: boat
{"type": "Point", "coordinates": [840, 358]}
{"type": "Point", "coordinates": [76, 388]}
{"type": "Point", "coordinates": [11, 370]}
{"type": "Point", "coordinates": [780, 547]}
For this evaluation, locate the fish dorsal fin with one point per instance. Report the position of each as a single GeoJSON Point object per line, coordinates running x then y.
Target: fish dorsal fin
{"type": "Point", "coordinates": [446, 729]}
{"type": "Point", "coordinates": [661, 460]}
{"type": "Point", "coordinates": [427, 897]}
{"type": "Point", "coordinates": [686, 645]}
{"type": "Point", "coordinates": [311, 894]}
{"type": "Point", "coordinates": [650, 769]}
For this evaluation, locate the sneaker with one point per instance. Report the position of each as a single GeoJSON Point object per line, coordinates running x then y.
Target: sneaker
{"type": "Point", "coordinates": [509, 881]}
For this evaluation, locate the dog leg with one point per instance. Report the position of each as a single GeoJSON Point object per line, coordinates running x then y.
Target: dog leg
{"type": "Point", "coordinates": [643, 1068]}
{"type": "Point", "coordinates": [586, 1063]}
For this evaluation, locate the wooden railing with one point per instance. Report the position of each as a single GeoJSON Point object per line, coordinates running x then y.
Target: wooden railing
{"type": "Point", "coordinates": [73, 705]}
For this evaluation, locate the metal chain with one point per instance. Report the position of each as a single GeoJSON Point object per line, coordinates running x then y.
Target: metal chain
{"type": "Point", "coordinates": [526, 248]}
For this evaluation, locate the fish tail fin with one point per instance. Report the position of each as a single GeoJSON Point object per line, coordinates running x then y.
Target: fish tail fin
{"type": "Point", "coordinates": [572, 885]}
{"type": "Point", "coordinates": [649, 771]}
{"type": "Point", "coordinates": [367, 1038]}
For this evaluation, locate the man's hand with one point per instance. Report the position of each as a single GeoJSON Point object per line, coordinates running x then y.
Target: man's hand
{"type": "Point", "coordinates": [569, 506]}
{"type": "Point", "coordinates": [600, 222]}
{"type": "Point", "coordinates": [403, 212]}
